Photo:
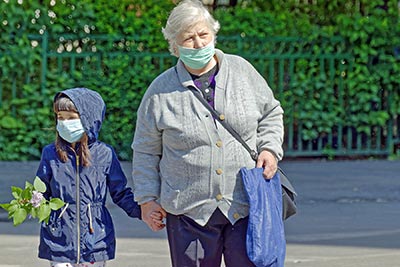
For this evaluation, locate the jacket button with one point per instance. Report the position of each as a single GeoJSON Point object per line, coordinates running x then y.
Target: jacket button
{"type": "Point", "coordinates": [236, 216]}
{"type": "Point", "coordinates": [222, 117]}
{"type": "Point", "coordinates": [219, 171]}
{"type": "Point", "coordinates": [219, 197]}
{"type": "Point", "coordinates": [219, 143]}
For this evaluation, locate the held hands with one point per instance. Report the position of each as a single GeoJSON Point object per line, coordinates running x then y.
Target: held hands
{"type": "Point", "coordinates": [153, 215]}
{"type": "Point", "coordinates": [268, 161]}
{"type": "Point", "coordinates": [158, 219]}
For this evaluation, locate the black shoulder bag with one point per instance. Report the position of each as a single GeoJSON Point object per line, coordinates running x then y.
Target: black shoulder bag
{"type": "Point", "coordinates": [288, 192]}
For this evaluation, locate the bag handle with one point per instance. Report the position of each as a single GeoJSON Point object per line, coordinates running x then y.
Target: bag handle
{"type": "Point", "coordinates": [221, 119]}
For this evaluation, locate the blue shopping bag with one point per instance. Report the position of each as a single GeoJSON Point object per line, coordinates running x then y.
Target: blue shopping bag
{"type": "Point", "coordinates": [265, 239]}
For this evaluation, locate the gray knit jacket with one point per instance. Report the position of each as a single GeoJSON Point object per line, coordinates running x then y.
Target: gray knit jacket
{"type": "Point", "coordinates": [186, 160]}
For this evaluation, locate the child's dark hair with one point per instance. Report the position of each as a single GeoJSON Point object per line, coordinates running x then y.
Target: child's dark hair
{"type": "Point", "coordinates": [63, 103]}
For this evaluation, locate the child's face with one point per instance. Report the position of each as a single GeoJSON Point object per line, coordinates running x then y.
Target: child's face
{"type": "Point", "coordinates": [67, 115]}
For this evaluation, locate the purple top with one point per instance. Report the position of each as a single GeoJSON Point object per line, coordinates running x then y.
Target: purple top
{"type": "Point", "coordinates": [206, 84]}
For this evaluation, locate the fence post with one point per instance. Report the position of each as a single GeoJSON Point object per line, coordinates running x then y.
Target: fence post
{"type": "Point", "coordinates": [45, 42]}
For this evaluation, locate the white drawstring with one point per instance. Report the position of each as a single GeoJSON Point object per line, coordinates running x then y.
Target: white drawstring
{"type": "Point", "coordinates": [64, 209]}
{"type": "Point", "coordinates": [91, 230]}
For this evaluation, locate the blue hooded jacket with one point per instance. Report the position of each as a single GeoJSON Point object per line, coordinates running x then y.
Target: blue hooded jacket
{"type": "Point", "coordinates": [83, 231]}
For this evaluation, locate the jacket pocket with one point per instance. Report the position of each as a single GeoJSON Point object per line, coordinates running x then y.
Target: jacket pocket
{"type": "Point", "coordinates": [54, 227]}
{"type": "Point", "coordinates": [100, 229]}
{"type": "Point", "coordinates": [169, 196]}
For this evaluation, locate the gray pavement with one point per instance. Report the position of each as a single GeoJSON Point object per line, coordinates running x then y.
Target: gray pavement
{"type": "Point", "coordinates": [349, 216]}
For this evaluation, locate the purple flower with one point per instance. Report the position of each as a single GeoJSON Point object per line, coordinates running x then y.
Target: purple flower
{"type": "Point", "coordinates": [36, 199]}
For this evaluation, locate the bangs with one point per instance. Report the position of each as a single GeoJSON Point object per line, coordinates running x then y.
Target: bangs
{"type": "Point", "coordinates": [63, 103]}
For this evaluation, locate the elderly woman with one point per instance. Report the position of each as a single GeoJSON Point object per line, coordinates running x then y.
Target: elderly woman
{"type": "Point", "coordinates": [185, 164]}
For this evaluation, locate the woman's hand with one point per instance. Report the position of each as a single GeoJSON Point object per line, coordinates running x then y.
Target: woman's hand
{"type": "Point", "coordinates": [152, 215]}
{"type": "Point", "coordinates": [268, 161]}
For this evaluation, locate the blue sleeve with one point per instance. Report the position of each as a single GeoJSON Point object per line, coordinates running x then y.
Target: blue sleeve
{"type": "Point", "coordinates": [44, 171]}
{"type": "Point", "coordinates": [121, 194]}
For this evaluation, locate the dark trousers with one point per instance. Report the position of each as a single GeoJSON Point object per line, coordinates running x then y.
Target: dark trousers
{"type": "Point", "coordinates": [192, 245]}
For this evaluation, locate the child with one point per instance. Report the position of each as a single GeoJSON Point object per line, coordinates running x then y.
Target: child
{"type": "Point", "coordinates": [80, 170]}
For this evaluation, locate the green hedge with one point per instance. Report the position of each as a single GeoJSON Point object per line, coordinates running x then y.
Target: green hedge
{"type": "Point", "coordinates": [371, 32]}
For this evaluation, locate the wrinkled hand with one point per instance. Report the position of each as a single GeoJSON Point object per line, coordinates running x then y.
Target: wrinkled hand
{"type": "Point", "coordinates": [153, 214]}
{"type": "Point", "coordinates": [267, 161]}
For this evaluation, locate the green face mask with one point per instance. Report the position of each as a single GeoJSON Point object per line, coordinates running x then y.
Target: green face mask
{"type": "Point", "coordinates": [196, 58]}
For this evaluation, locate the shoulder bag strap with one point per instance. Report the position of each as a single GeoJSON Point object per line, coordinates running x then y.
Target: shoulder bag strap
{"type": "Point", "coordinates": [254, 155]}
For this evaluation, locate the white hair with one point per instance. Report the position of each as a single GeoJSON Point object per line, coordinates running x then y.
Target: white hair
{"type": "Point", "coordinates": [184, 16]}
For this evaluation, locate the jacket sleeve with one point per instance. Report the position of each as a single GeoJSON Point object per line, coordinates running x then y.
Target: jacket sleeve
{"type": "Point", "coordinates": [121, 194]}
{"type": "Point", "coordinates": [44, 171]}
{"type": "Point", "coordinates": [270, 129]}
{"type": "Point", "coordinates": [147, 149]}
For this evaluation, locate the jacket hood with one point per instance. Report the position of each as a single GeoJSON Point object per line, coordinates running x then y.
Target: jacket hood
{"type": "Point", "coordinates": [91, 108]}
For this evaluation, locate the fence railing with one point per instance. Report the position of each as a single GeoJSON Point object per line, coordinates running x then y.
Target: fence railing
{"type": "Point", "coordinates": [280, 60]}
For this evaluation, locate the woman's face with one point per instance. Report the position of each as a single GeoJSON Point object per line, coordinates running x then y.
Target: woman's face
{"type": "Point", "coordinates": [196, 37]}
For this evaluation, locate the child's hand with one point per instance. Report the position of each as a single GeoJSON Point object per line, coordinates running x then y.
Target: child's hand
{"type": "Point", "coordinates": [158, 218]}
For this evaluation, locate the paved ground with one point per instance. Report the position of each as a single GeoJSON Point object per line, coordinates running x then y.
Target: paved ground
{"type": "Point", "coordinates": [349, 216]}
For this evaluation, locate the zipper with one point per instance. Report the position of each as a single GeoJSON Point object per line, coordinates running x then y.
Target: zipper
{"type": "Point", "coordinates": [78, 211]}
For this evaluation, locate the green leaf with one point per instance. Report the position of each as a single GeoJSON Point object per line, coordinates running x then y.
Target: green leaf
{"type": "Point", "coordinates": [19, 216]}
{"type": "Point", "coordinates": [34, 212]}
{"type": "Point", "coordinates": [5, 206]}
{"type": "Point", "coordinates": [28, 185]}
{"type": "Point", "coordinates": [56, 203]}
{"type": "Point", "coordinates": [43, 212]}
{"type": "Point", "coordinates": [16, 191]}
{"type": "Point", "coordinates": [39, 185]}
{"type": "Point", "coordinates": [26, 194]}
{"type": "Point", "coordinates": [13, 207]}
{"type": "Point", "coordinates": [8, 122]}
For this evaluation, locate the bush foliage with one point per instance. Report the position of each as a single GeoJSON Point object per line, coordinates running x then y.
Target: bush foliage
{"type": "Point", "coordinates": [370, 31]}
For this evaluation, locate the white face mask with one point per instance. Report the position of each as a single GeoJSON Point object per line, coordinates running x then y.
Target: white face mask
{"type": "Point", "coordinates": [70, 130]}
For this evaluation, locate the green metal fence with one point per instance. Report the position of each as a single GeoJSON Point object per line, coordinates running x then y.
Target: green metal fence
{"type": "Point", "coordinates": [280, 60]}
